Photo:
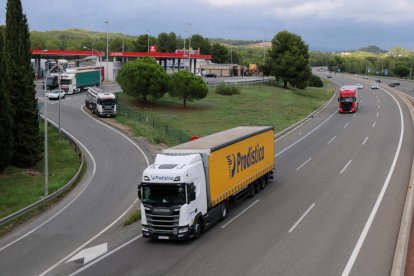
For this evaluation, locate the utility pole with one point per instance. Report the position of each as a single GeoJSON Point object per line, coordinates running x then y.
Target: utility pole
{"type": "Point", "coordinates": [189, 48]}
{"type": "Point", "coordinates": [107, 50]}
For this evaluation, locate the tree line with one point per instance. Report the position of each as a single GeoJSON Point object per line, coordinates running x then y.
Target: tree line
{"type": "Point", "coordinates": [20, 141]}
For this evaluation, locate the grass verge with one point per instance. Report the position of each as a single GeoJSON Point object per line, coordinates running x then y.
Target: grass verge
{"type": "Point", "coordinates": [22, 187]}
{"type": "Point", "coordinates": [132, 217]}
{"type": "Point", "coordinates": [258, 104]}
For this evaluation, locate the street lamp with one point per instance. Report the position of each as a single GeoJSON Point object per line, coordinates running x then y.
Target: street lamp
{"type": "Point", "coordinates": [94, 53]}
{"type": "Point", "coordinates": [264, 52]}
{"type": "Point", "coordinates": [189, 47]}
{"type": "Point", "coordinates": [148, 41]}
{"type": "Point", "coordinates": [107, 49]}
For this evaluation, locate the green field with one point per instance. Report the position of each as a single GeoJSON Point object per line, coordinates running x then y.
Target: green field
{"type": "Point", "coordinates": [258, 104]}
{"type": "Point", "coordinates": [22, 187]}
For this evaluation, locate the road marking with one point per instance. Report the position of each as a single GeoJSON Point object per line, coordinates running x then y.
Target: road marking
{"type": "Point", "coordinates": [366, 138]}
{"type": "Point", "coordinates": [378, 100]}
{"type": "Point", "coordinates": [330, 141]}
{"type": "Point", "coordinates": [241, 213]}
{"type": "Point", "coordinates": [374, 211]}
{"type": "Point", "coordinates": [301, 166]}
{"type": "Point", "coordinates": [377, 114]}
{"type": "Point", "coordinates": [379, 106]}
{"type": "Point", "coordinates": [346, 166]}
{"type": "Point", "coordinates": [89, 254]}
{"type": "Point", "coordinates": [106, 255]}
{"type": "Point", "coordinates": [117, 219]}
{"type": "Point", "coordinates": [347, 124]}
{"type": "Point", "coordinates": [373, 125]}
{"type": "Point", "coordinates": [301, 218]}
{"type": "Point", "coordinates": [70, 203]}
{"type": "Point", "coordinates": [313, 130]}
{"type": "Point", "coordinates": [354, 115]}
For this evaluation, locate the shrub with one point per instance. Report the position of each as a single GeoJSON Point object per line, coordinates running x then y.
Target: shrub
{"type": "Point", "coordinates": [227, 89]}
{"type": "Point", "coordinates": [315, 81]}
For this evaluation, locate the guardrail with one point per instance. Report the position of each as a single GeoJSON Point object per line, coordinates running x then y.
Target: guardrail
{"type": "Point", "coordinates": [54, 194]}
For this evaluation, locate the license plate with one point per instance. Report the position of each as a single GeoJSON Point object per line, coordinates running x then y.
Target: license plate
{"type": "Point", "coordinates": [163, 237]}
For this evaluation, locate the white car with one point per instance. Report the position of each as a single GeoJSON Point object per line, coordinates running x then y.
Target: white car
{"type": "Point", "coordinates": [374, 86]}
{"type": "Point", "coordinates": [55, 95]}
{"type": "Point", "coordinates": [359, 86]}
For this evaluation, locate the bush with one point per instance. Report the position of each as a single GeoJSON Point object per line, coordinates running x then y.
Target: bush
{"type": "Point", "coordinates": [315, 81]}
{"type": "Point", "coordinates": [227, 89]}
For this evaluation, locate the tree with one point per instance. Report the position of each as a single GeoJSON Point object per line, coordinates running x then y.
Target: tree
{"type": "Point", "coordinates": [289, 59]}
{"type": "Point", "coordinates": [142, 78]}
{"type": "Point", "coordinates": [141, 44]}
{"type": "Point", "coordinates": [27, 146]}
{"type": "Point", "coordinates": [167, 43]}
{"type": "Point", "coordinates": [199, 42]}
{"type": "Point", "coordinates": [6, 123]}
{"type": "Point", "coordinates": [401, 70]}
{"type": "Point", "coordinates": [187, 86]}
{"type": "Point", "coordinates": [220, 53]}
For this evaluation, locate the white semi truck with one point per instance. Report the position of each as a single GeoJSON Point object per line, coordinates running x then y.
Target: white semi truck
{"type": "Point", "coordinates": [100, 103]}
{"type": "Point", "coordinates": [189, 186]}
{"type": "Point", "coordinates": [77, 79]}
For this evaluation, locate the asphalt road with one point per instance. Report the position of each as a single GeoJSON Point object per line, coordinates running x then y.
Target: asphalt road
{"type": "Point", "coordinates": [330, 176]}
{"type": "Point", "coordinates": [335, 207]}
{"type": "Point", "coordinates": [106, 191]}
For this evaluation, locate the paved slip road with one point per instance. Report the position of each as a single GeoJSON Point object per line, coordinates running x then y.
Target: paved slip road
{"type": "Point", "coordinates": [106, 191]}
{"type": "Point", "coordinates": [334, 208]}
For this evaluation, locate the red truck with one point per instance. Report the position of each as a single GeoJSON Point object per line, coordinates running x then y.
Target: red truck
{"type": "Point", "coordinates": [348, 99]}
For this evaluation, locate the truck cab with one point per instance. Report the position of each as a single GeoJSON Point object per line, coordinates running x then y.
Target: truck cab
{"type": "Point", "coordinates": [173, 197]}
{"type": "Point", "coordinates": [348, 99]}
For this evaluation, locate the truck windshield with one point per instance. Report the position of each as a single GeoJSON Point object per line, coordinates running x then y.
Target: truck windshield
{"type": "Point", "coordinates": [164, 195]}
{"type": "Point", "coordinates": [107, 101]}
{"type": "Point", "coordinates": [65, 82]}
{"type": "Point", "coordinates": [50, 80]}
{"type": "Point", "coordinates": [347, 99]}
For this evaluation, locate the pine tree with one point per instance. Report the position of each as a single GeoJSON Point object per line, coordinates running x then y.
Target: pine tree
{"type": "Point", "coordinates": [6, 131]}
{"type": "Point", "coordinates": [27, 146]}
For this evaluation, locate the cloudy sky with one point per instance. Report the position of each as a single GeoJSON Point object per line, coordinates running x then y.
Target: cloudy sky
{"type": "Point", "coordinates": [328, 24]}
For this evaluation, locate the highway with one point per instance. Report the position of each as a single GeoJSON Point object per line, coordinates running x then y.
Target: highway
{"type": "Point", "coordinates": [334, 208]}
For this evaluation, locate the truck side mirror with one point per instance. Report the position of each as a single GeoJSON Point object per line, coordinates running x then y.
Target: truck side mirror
{"type": "Point", "coordinates": [139, 191]}
{"type": "Point", "coordinates": [338, 99]}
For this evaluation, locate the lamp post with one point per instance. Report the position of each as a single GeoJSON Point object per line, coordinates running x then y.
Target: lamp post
{"type": "Point", "coordinates": [264, 51]}
{"type": "Point", "coordinates": [94, 53]}
{"type": "Point", "coordinates": [189, 47]}
{"type": "Point", "coordinates": [148, 41]}
{"type": "Point", "coordinates": [107, 49]}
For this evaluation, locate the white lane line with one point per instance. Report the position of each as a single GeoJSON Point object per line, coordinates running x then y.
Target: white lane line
{"type": "Point", "coordinates": [346, 166]}
{"type": "Point", "coordinates": [374, 211]}
{"type": "Point", "coordinates": [106, 255]}
{"type": "Point", "coordinates": [377, 114]}
{"type": "Point", "coordinates": [330, 141]}
{"type": "Point", "coordinates": [354, 115]}
{"type": "Point", "coordinates": [347, 124]}
{"type": "Point", "coordinates": [241, 213]}
{"type": "Point", "coordinates": [313, 130]}
{"type": "Point", "coordinates": [378, 100]}
{"type": "Point", "coordinates": [366, 138]}
{"type": "Point", "coordinates": [301, 218]}
{"type": "Point", "coordinates": [70, 203]}
{"type": "Point", "coordinates": [304, 163]}
{"type": "Point", "coordinates": [373, 125]}
{"type": "Point", "coordinates": [379, 106]}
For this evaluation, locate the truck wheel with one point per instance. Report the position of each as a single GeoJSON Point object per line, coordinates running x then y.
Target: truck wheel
{"type": "Point", "coordinates": [252, 190]}
{"type": "Point", "coordinates": [198, 228]}
{"type": "Point", "coordinates": [262, 182]}
{"type": "Point", "coordinates": [257, 186]}
{"type": "Point", "coordinates": [224, 210]}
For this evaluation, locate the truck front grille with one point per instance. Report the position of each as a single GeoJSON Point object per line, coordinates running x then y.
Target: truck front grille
{"type": "Point", "coordinates": [162, 223]}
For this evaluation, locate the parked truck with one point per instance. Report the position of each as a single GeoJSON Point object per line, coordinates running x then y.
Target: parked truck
{"type": "Point", "coordinates": [189, 186]}
{"type": "Point", "coordinates": [100, 103]}
{"type": "Point", "coordinates": [78, 79]}
{"type": "Point", "coordinates": [348, 99]}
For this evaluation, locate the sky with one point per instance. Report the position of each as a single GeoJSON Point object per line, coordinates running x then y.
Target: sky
{"type": "Point", "coordinates": [322, 24]}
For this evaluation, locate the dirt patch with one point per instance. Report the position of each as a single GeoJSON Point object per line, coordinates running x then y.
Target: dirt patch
{"type": "Point", "coordinates": [32, 172]}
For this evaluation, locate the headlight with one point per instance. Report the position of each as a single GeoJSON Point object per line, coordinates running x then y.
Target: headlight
{"type": "Point", "coordinates": [144, 228]}
{"type": "Point", "coordinates": [183, 230]}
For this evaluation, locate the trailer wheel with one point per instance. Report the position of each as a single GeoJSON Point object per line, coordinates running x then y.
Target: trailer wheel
{"type": "Point", "coordinates": [198, 228]}
{"type": "Point", "coordinates": [252, 190]}
{"type": "Point", "coordinates": [224, 210]}
{"type": "Point", "coordinates": [257, 186]}
{"type": "Point", "coordinates": [262, 182]}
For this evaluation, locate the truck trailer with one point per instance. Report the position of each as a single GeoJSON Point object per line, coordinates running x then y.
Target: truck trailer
{"type": "Point", "coordinates": [348, 99]}
{"type": "Point", "coordinates": [189, 186]}
{"type": "Point", "coordinates": [78, 79]}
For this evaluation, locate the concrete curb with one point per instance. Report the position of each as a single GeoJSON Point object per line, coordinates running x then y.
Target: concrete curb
{"type": "Point", "coordinates": [53, 195]}
{"type": "Point", "coordinates": [400, 255]}
{"type": "Point", "coordinates": [307, 118]}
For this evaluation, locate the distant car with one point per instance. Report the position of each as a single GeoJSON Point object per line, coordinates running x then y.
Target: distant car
{"type": "Point", "coordinates": [365, 77]}
{"type": "Point", "coordinates": [379, 81]}
{"type": "Point", "coordinates": [329, 76]}
{"type": "Point", "coordinates": [55, 95]}
{"type": "Point", "coordinates": [52, 82]}
{"type": "Point", "coordinates": [397, 83]}
{"type": "Point", "coordinates": [359, 86]}
{"type": "Point", "coordinates": [374, 86]}
{"type": "Point", "coordinates": [210, 75]}
{"type": "Point", "coordinates": [391, 84]}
